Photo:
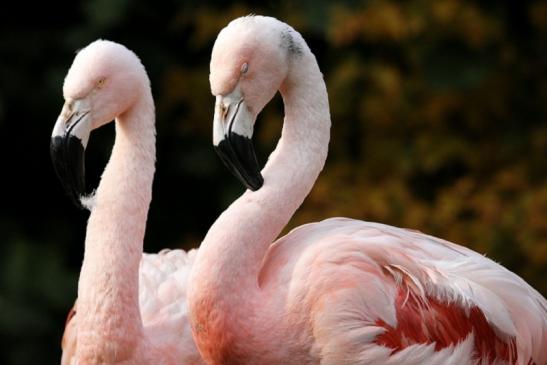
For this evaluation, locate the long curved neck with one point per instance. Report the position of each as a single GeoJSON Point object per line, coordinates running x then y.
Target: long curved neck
{"type": "Point", "coordinates": [225, 274]}
{"type": "Point", "coordinates": [109, 319]}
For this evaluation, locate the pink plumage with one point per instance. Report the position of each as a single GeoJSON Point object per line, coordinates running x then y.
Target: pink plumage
{"type": "Point", "coordinates": [339, 291]}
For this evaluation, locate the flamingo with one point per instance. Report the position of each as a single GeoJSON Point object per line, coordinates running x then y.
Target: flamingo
{"type": "Point", "coordinates": [131, 308]}
{"type": "Point", "coordinates": [340, 291]}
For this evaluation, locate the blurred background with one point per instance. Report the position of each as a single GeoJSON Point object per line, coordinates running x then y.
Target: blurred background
{"type": "Point", "coordinates": [439, 113]}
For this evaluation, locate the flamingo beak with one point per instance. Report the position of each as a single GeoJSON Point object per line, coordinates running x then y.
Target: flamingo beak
{"type": "Point", "coordinates": [67, 148]}
{"type": "Point", "coordinates": [232, 139]}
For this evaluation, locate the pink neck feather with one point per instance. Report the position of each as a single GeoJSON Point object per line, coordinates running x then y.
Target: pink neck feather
{"type": "Point", "coordinates": [109, 321]}
{"type": "Point", "coordinates": [224, 279]}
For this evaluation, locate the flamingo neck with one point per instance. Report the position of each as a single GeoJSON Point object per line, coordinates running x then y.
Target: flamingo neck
{"type": "Point", "coordinates": [224, 289]}
{"type": "Point", "coordinates": [109, 321]}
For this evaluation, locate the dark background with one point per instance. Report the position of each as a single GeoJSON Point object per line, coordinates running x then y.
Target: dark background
{"type": "Point", "coordinates": [439, 115]}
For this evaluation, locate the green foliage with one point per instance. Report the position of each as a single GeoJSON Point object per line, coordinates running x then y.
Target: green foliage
{"type": "Point", "coordinates": [439, 124]}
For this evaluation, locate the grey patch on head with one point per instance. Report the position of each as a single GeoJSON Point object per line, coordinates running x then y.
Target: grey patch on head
{"type": "Point", "coordinates": [288, 42]}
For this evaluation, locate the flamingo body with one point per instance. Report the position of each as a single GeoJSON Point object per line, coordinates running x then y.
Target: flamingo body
{"type": "Point", "coordinates": [162, 300]}
{"type": "Point", "coordinates": [131, 308]}
{"type": "Point", "coordinates": [340, 291]}
{"type": "Point", "coordinates": [376, 294]}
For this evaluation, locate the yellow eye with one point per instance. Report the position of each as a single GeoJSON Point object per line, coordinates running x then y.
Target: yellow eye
{"type": "Point", "coordinates": [100, 83]}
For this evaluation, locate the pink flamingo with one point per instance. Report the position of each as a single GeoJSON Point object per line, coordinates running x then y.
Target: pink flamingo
{"type": "Point", "coordinates": [340, 291]}
{"type": "Point", "coordinates": [131, 307]}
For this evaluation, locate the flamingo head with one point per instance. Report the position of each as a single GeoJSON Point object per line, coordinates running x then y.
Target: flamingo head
{"type": "Point", "coordinates": [103, 82]}
{"type": "Point", "coordinates": [251, 60]}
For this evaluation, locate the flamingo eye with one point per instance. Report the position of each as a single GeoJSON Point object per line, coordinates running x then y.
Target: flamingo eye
{"type": "Point", "coordinates": [100, 83]}
{"type": "Point", "coordinates": [244, 68]}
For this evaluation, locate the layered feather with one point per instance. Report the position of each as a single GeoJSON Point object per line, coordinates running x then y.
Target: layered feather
{"type": "Point", "coordinates": [162, 298]}
{"type": "Point", "coordinates": [357, 281]}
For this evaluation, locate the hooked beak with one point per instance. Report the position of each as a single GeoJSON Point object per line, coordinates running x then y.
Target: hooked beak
{"type": "Point", "coordinates": [67, 148]}
{"type": "Point", "coordinates": [232, 133]}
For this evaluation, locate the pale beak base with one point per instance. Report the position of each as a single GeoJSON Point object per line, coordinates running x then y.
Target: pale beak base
{"type": "Point", "coordinates": [232, 132]}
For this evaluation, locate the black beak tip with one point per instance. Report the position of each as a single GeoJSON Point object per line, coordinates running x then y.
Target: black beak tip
{"type": "Point", "coordinates": [238, 155]}
{"type": "Point", "coordinates": [254, 183]}
{"type": "Point", "coordinates": [67, 155]}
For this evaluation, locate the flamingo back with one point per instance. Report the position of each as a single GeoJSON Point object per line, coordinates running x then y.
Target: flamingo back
{"type": "Point", "coordinates": [385, 295]}
{"type": "Point", "coordinates": [162, 298]}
